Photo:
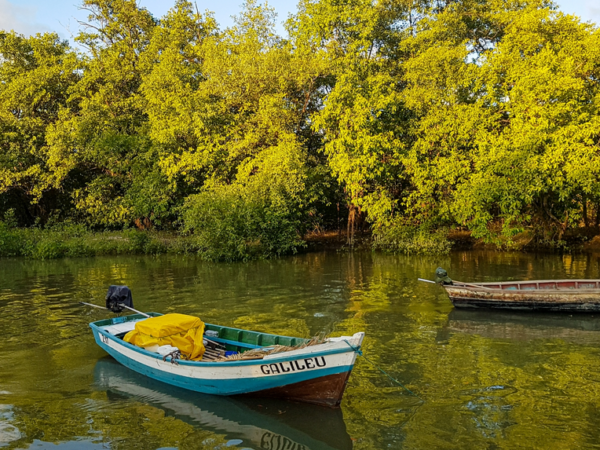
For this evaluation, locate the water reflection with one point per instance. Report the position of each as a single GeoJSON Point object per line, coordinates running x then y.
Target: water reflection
{"type": "Point", "coordinates": [8, 432]}
{"type": "Point", "coordinates": [248, 423]}
{"type": "Point", "coordinates": [488, 380]}
{"type": "Point", "coordinates": [580, 329]}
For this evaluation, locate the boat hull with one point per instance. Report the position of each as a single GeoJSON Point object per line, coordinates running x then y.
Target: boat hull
{"type": "Point", "coordinates": [575, 301]}
{"type": "Point", "coordinates": [327, 390]}
{"type": "Point", "coordinates": [316, 374]}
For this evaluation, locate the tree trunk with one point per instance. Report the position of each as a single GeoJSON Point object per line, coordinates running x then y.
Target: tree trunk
{"type": "Point", "coordinates": [338, 220]}
{"type": "Point", "coordinates": [350, 227]}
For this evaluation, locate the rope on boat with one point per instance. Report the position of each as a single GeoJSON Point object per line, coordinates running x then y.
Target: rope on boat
{"type": "Point", "coordinates": [259, 353]}
{"type": "Point", "coordinates": [175, 355]}
{"type": "Point", "coordinates": [359, 352]}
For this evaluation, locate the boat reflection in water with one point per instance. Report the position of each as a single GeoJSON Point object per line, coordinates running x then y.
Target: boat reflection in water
{"type": "Point", "coordinates": [577, 328]}
{"type": "Point", "coordinates": [252, 422]}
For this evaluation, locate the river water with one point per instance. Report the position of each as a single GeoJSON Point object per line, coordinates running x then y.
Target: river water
{"type": "Point", "coordinates": [483, 379]}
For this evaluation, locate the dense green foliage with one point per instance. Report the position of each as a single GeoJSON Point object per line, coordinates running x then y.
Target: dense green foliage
{"type": "Point", "coordinates": [70, 240]}
{"type": "Point", "coordinates": [403, 117]}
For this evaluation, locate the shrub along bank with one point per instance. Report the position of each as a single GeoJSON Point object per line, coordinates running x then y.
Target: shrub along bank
{"type": "Point", "coordinates": [236, 239]}
{"type": "Point", "coordinates": [242, 240]}
{"type": "Point", "coordinates": [75, 241]}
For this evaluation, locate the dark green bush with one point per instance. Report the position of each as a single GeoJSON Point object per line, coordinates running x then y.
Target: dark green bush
{"type": "Point", "coordinates": [49, 248]}
{"type": "Point", "coordinates": [12, 242]}
{"type": "Point", "coordinates": [227, 226]}
{"type": "Point", "coordinates": [138, 240]}
{"type": "Point", "coordinates": [76, 241]}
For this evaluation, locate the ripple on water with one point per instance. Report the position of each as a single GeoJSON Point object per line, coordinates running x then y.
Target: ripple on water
{"type": "Point", "coordinates": [487, 379]}
{"type": "Point", "coordinates": [8, 431]}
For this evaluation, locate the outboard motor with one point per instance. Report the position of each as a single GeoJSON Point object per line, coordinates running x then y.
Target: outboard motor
{"type": "Point", "coordinates": [116, 296]}
{"type": "Point", "coordinates": [441, 276]}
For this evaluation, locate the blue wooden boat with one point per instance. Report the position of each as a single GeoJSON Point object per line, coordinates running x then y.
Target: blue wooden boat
{"type": "Point", "coordinates": [314, 374]}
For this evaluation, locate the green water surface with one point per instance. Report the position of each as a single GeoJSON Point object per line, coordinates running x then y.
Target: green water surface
{"type": "Point", "coordinates": [487, 380]}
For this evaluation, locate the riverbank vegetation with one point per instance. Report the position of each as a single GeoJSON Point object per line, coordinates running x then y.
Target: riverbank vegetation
{"type": "Point", "coordinates": [68, 240]}
{"type": "Point", "coordinates": [404, 120]}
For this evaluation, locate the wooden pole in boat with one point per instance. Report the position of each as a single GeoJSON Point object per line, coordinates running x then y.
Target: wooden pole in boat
{"type": "Point", "coordinates": [215, 354]}
{"type": "Point", "coordinates": [459, 282]}
{"type": "Point", "coordinates": [95, 306]}
{"type": "Point", "coordinates": [214, 343]}
{"type": "Point", "coordinates": [120, 304]}
{"type": "Point", "coordinates": [134, 310]}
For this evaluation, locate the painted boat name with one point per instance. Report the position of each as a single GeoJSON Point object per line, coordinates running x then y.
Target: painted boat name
{"type": "Point", "coordinates": [293, 366]}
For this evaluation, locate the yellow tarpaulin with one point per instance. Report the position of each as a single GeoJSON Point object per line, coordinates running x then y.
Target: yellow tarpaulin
{"type": "Point", "coordinates": [179, 330]}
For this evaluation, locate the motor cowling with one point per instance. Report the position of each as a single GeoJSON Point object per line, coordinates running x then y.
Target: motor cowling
{"type": "Point", "coordinates": [441, 276]}
{"type": "Point", "coordinates": [117, 296]}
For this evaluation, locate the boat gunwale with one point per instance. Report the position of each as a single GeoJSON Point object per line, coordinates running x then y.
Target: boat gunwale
{"type": "Point", "coordinates": [272, 359]}
{"type": "Point", "coordinates": [485, 285]}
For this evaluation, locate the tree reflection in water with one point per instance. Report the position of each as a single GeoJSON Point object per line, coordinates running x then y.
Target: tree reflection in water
{"type": "Point", "coordinates": [488, 379]}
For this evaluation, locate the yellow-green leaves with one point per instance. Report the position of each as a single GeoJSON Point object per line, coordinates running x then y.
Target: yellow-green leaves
{"type": "Point", "coordinates": [36, 76]}
{"type": "Point", "coordinates": [536, 158]}
{"type": "Point", "coordinates": [508, 112]}
{"type": "Point", "coordinates": [429, 114]}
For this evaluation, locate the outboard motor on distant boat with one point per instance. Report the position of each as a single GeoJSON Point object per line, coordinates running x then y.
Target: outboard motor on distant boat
{"type": "Point", "coordinates": [441, 276]}
{"type": "Point", "coordinates": [117, 295]}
